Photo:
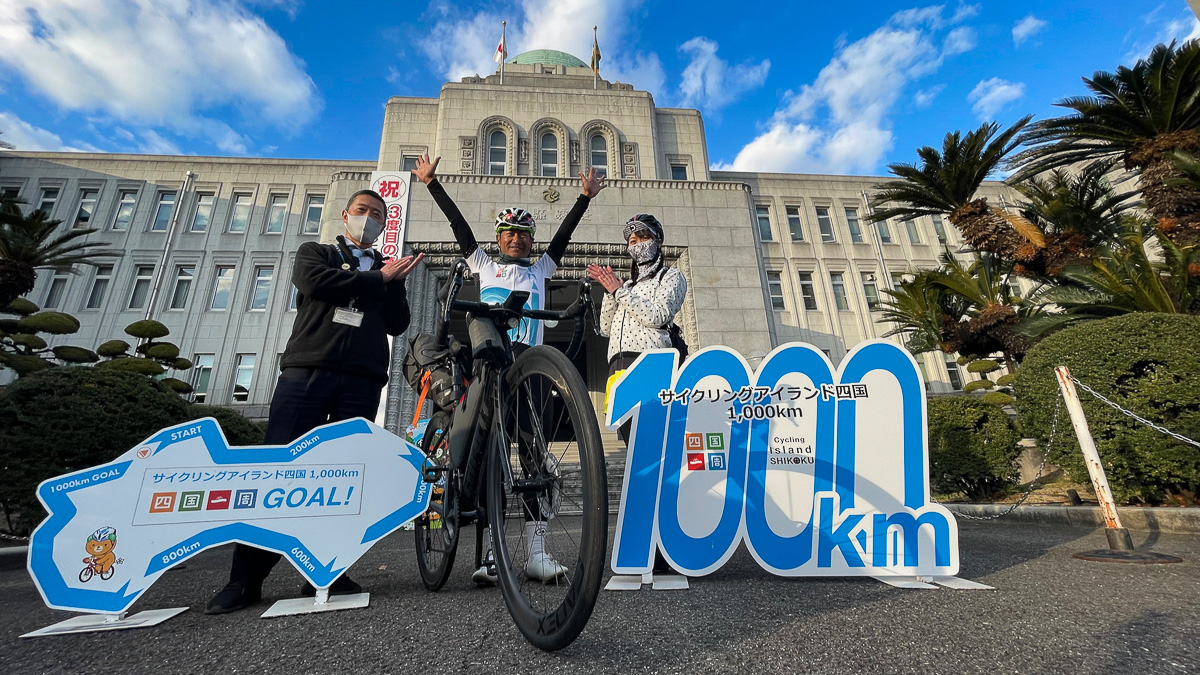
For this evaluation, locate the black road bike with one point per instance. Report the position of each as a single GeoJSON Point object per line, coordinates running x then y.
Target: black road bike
{"type": "Point", "coordinates": [500, 459]}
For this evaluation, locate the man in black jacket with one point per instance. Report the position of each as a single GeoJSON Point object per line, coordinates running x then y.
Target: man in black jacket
{"type": "Point", "coordinates": [336, 361]}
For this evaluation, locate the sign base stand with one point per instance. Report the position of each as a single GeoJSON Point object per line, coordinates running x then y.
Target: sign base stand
{"type": "Point", "coordinates": [323, 602]}
{"type": "Point", "coordinates": [927, 583]}
{"type": "Point", "coordinates": [93, 623]}
{"type": "Point", "coordinates": [660, 582]}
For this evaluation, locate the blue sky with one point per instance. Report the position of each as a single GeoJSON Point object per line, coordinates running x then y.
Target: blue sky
{"type": "Point", "coordinates": [817, 87]}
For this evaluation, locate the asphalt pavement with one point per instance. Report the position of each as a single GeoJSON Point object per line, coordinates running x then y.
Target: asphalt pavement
{"type": "Point", "coordinates": [1050, 613]}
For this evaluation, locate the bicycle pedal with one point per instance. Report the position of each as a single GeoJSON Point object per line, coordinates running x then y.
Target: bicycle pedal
{"type": "Point", "coordinates": [432, 474]}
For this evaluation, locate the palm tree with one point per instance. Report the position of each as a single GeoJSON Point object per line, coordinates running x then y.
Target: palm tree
{"type": "Point", "coordinates": [1122, 279]}
{"type": "Point", "coordinates": [1076, 212]}
{"type": "Point", "coordinates": [946, 183]}
{"type": "Point", "coordinates": [961, 309]}
{"type": "Point", "coordinates": [1136, 115]}
{"type": "Point", "coordinates": [29, 242]}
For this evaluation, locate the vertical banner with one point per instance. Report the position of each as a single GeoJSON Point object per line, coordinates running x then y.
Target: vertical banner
{"type": "Point", "coordinates": [393, 186]}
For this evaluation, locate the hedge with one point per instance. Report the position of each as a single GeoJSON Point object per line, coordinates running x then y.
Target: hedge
{"type": "Point", "coordinates": [973, 447]}
{"type": "Point", "coordinates": [1148, 363]}
{"type": "Point", "coordinates": [65, 419]}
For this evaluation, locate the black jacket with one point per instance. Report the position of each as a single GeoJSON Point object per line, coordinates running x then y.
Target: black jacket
{"type": "Point", "coordinates": [318, 342]}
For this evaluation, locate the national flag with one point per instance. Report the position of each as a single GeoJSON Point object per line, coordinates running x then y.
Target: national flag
{"type": "Point", "coordinates": [501, 51]}
{"type": "Point", "coordinates": [595, 55]}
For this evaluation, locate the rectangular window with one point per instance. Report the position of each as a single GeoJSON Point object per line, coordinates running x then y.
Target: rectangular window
{"type": "Point", "coordinates": [870, 291]}
{"type": "Point", "coordinates": [763, 215]}
{"type": "Point", "coordinates": [292, 299]}
{"type": "Point", "coordinates": [855, 227]}
{"type": "Point", "coordinates": [183, 286]}
{"type": "Point", "coordinates": [205, 201]}
{"type": "Point", "coordinates": [794, 225]}
{"type": "Point", "coordinates": [10, 193]}
{"type": "Point", "coordinates": [48, 200]}
{"type": "Point", "coordinates": [125, 206]}
{"type": "Point", "coordinates": [243, 377]}
{"type": "Point", "coordinates": [276, 214]}
{"type": "Point", "coordinates": [87, 207]}
{"type": "Point", "coordinates": [261, 292]}
{"type": "Point", "coordinates": [808, 290]}
{"type": "Point", "coordinates": [162, 214]}
{"type": "Point", "coordinates": [775, 287]}
{"type": "Point", "coordinates": [939, 228]}
{"type": "Point", "coordinates": [99, 286]}
{"type": "Point", "coordinates": [1014, 286]}
{"type": "Point", "coordinates": [678, 172]}
{"type": "Point", "coordinates": [201, 376]}
{"type": "Point", "coordinates": [313, 211]}
{"type": "Point", "coordinates": [956, 379]}
{"type": "Point", "coordinates": [897, 279]}
{"type": "Point", "coordinates": [58, 286]}
{"type": "Point", "coordinates": [240, 216]}
{"type": "Point", "coordinates": [408, 163]}
{"type": "Point", "coordinates": [839, 290]}
{"type": "Point", "coordinates": [142, 278]}
{"type": "Point", "coordinates": [222, 288]}
{"type": "Point", "coordinates": [914, 235]}
{"type": "Point", "coordinates": [885, 232]}
{"type": "Point", "coordinates": [825, 224]}
{"type": "Point", "coordinates": [924, 370]}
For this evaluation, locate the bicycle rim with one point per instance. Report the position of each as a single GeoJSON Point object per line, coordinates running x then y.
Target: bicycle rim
{"type": "Point", "coordinates": [543, 431]}
{"type": "Point", "coordinates": [437, 529]}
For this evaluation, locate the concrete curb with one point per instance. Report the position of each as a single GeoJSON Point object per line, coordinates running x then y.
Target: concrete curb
{"type": "Point", "coordinates": [1149, 519]}
{"type": "Point", "coordinates": [13, 557]}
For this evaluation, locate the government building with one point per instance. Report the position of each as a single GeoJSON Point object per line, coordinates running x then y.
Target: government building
{"type": "Point", "coordinates": [206, 243]}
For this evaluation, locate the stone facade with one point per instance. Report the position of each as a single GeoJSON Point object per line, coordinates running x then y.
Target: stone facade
{"type": "Point", "coordinates": [769, 258]}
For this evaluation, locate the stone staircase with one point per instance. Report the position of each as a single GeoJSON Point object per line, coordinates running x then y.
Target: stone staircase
{"type": "Point", "coordinates": [614, 461]}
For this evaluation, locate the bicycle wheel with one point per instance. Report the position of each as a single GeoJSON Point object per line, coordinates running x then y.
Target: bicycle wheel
{"type": "Point", "coordinates": [546, 424]}
{"type": "Point", "coordinates": [85, 574]}
{"type": "Point", "coordinates": [436, 530]}
{"type": "Point", "coordinates": [108, 574]}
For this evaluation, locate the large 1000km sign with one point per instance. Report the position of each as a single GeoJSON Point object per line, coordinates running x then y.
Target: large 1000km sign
{"type": "Point", "coordinates": [820, 471]}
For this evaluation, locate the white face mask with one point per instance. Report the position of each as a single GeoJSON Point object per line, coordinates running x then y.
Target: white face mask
{"type": "Point", "coordinates": [364, 229]}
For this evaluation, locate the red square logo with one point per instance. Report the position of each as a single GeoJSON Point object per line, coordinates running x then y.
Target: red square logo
{"type": "Point", "coordinates": [693, 442]}
{"type": "Point", "coordinates": [218, 499]}
{"type": "Point", "coordinates": [695, 461]}
{"type": "Point", "coordinates": [162, 502]}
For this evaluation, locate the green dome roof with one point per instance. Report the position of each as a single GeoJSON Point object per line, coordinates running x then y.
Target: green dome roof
{"type": "Point", "coordinates": [549, 57]}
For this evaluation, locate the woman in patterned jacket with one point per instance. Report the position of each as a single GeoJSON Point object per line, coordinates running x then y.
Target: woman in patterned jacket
{"type": "Point", "coordinates": [636, 313]}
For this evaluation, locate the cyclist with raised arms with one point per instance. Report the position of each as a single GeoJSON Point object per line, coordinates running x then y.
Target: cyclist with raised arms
{"type": "Point", "coordinates": [513, 271]}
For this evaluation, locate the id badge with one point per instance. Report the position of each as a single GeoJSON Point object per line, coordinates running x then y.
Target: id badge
{"type": "Point", "coordinates": [348, 316]}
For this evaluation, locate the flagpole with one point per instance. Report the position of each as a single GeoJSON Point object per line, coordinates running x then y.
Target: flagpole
{"type": "Point", "coordinates": [503, 28]}
{"type": "Point", "coordinates": [596, 69]}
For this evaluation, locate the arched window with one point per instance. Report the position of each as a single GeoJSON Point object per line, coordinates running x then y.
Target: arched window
{"type": "Point", "coordinates": [599, 155]}
{"type": "Point", "coordinates": [497, 149]}
{"type": "Point", "coordinates": [549, 154]}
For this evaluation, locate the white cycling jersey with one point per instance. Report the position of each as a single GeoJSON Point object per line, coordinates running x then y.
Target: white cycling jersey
{"type": "Point", "coordinates": [497, 281]}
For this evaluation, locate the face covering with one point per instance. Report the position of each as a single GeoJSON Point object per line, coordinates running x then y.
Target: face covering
{"type": "Point", "coordinates": [646, 257]}
{"type": "Point", "coordinates": [643, 251]}
{"type": "Point", "coordinates": [364, 229]}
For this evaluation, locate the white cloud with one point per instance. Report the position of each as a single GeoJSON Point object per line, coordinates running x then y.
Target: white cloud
{"type": "Point", "coordinates": [840, 122]}
{"type": "Point", "coordinates": [1181, 28]}
{"type": "Point", "coordinates": [166, 64]}
{"type": "Point", "coordinates": [710, 82]}
{"type": "Point", "coordinates": [25, 136]}
{"type": "Point", "coordinates": [992, 95]}
{"type": "Point", "coordinates": [463, 47]}
{"type": "Point", "coordinates": [1026, 28]}
{"type": "Point", "coordinates": [924, 97]}
{"type": "Point", "coordinates": [154, 144]}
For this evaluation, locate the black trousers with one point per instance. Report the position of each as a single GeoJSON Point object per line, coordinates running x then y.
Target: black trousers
{"type": "Point", "coordinates": [622, 361]}
{"type": "Point", "coordinates": [304, 399]}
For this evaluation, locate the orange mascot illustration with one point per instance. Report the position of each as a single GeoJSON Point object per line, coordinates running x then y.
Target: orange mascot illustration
{"type": "Point", "coordinates": [100, 558]}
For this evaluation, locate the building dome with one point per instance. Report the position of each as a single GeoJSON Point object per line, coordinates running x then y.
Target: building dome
{"type": "Point", "coordinates": [549, 57]}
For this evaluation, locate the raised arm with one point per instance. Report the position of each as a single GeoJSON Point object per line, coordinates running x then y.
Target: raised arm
{"type": "Point", "coordinates": [592, 185]}
{"type": "Point", "coordinates": [426, 172]}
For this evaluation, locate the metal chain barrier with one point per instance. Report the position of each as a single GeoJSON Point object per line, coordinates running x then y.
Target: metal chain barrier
{"type": "Point", "coordinates": [12, 537]}
{"type": "Point", "coordinates": [1139, 418]}
{"type": "Point", "coordinates": [1032, 483]}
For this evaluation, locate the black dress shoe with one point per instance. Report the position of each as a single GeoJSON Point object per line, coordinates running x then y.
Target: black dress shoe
{"type": "Point", "coordinates": [236, 595]}
{"type": "Point", "coordinates": [343, 585]}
